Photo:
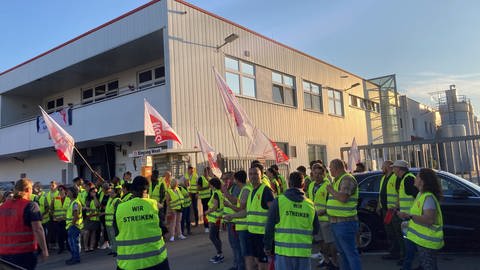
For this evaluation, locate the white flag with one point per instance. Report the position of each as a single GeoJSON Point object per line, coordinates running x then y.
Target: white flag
{"type": "Point", "coordinates": [211, 155]}
{"type": "Point", "coordinates": [353, 156]}
{"type": "Point", "coordinates": [156, 126]}
{"type": "Point", "coordinates": [62, 141]}
{"type": "Point", "coordinates": [262, 146]}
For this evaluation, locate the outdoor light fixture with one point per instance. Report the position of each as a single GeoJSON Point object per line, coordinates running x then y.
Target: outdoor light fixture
{"type": "Point", "coordinates": [352, 86]}
{"type": "Point", "coordinates": [232, 37]}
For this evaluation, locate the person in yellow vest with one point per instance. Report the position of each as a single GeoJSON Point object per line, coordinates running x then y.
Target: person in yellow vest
{"type": "Point", "coordinates": [74, 225]}
{"type": "Point", "coordinates": [190, 179]}
{"type": "Point", "coordinates": [231, 192]}
{"type": "Point", "coordinates": [290, 227]}
{"type": "Point", "coordinates": [41, 199]}
{"type": "Point", "coordinates": [407, 192]}
{"type": "Point", "coordinates": [51, 194]}
{"type": "Point", "coordinates": [126, 191]}
{"type": "Point", "coordinates": [306, 177]}
{"type": "Point", "coordinates": [275, 181]}
{"type": "Point", "coordinates": [92, 221]}
{"type": "Point", "coordinates": [112, 204]}
{"type": "Point", "coordinates": [283, 185]}
{"type": "Point", "coordinates": [387, 207]}
{"type": "Point", "coordinates": [186, 205]}
{"type": "Point", "coordinates": [205, 193]}
{"type": "Point", "coordinates": [214, 216]}
{"type": "Point", "coordinates": [424, 229]}
{"type": "Point", "coordinates": [317, 192]}
{"type": "Point", "coordinates": [139, 231]}
{"type": "Point", "coordinates": [264, 179]}
{"type": "Point", "coordinates": [158, 189]}
{"type": "Point", "coordinates": [127, 178]}
{"type": "Point", "coordinates": [342, 212]}
{"type": "Point", "coordinates": [241, 225]}
{"type": "Point", "coordinates": [174, 211]}
{"type": "Point", "coordinates": [59, 208]}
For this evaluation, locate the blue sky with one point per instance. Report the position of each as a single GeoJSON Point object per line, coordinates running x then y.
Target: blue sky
{"type": "Point", "coordinates": [428, 44]}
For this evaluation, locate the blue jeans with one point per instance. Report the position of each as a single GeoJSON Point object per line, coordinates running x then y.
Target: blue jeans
{"type": "Point", "coordinates": [344, 233]}
{"type": "Point", "coordinates": [292, 263]}
{"type": "Point", "coordinates": [242, 238]}
{"type": "Point", "coordinates": [233, 239]}
{"type": "Point", "coordinates": [410, 251]}
{"type": "Point", "coordinates": [74, 242]}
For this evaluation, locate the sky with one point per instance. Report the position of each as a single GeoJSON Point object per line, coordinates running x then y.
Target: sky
{"type": "Point", "coordinates": [428, 44]}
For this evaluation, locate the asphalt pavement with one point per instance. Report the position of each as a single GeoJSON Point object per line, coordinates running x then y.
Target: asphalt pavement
{"type": "Point", "coordinates": [194, 253]}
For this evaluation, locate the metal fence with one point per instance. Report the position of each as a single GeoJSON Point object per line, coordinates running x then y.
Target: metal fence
{"type": "Point", "coordinates": [457, 155]}
{"type": "Point", "coordinates": [234, 164]}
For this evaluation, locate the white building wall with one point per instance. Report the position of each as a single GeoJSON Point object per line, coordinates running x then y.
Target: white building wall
{"type": "Point", "coordinates": [425, 119]}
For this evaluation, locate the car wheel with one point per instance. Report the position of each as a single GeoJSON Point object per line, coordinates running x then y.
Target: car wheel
{"type": "Point", "coordinates": [365, 236]}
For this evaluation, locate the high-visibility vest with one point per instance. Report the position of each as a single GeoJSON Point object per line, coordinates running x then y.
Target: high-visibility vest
{"type": "Point", "coordinates": [139, 241]}
{"type": "Point", "coordinates": [155, 193]}
{"type": "Point", "coordinates": [187, 201]}
{"type": "Point", "coordinates": [275, 183]}
{"type": "Point", "coordinates": [428, 237]}
{"type": "Point", "coordinates": [266, 181]}
{"type": "Point", "coordinates": [52, 195]}
{"type": "Point", "coordinates": [127, 197]}
{"type": "Point", "coordinates": [69, 219]}
{"type": "Point", "coordinates": [228, 210]}
{"type": "Point", "coordinates": [241, 224]}
{"type": "Point", "coordinates": [176, 198]}
{"type": "Point", "coordinates": [60, 209]}
{"type": "Point", "coordinates": [293, 233]}
{"type": "Point", "coordinates": [93, 209]}
{"type": "Point", "coordinates": [82, 196]}
{"type": "Point", "coordinates": [42, 201]}
{"type": "Point", "coordinates": [404, 199]}
{"type": "Point", "coordinates": [15, 236]}
{"type": "Point", "coordinates": [192, 180]}
{"type": "Point", "coordinates": [206, 193]}
{"type": "Point", "coordinates": [112, 203]}
{"type": "Point", "coordinates": [218, 213]}
{"type": "Point", "coordinates": [319, 197]}
{"type": "Point", "coordinates": [256, 215]}
{"type": "Point", "coordinates": [336, 208]}
{"type": "Point", "coordinates": [283, 183]}
{"type": "Point", "coordinates": [392, 194]}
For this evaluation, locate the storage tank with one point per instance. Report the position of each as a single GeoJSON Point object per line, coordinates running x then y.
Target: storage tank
{"type": "Point", "coordinates": [454, 156]}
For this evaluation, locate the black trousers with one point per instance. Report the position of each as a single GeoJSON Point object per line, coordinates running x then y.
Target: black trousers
{"type": "Point", "coordinates": [195, 207]}
{"type": "Point", "coordinates": [61, 233]}
{"type": "Point", "coordinates": [205, 208]}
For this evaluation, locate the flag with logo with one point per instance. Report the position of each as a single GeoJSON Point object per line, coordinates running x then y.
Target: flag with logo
{"type": "Point", "coordinates": [156, 126]}
{"type": "Point", "coordinates": [62, 117]}
{"type": "Point", "coordinates": [244, 126]}
{"type": "Point", "coordinates": [264, 147]}
{"type": "Point", "coordinates": [208, 150]}
{"type": "Point", "coordinates": [353, 156]}
{"type": "Point", "coordinates": [62, 141]}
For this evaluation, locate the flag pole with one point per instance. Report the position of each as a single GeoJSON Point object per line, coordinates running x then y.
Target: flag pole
{"type": "Point", "coordinates": [88, 165]}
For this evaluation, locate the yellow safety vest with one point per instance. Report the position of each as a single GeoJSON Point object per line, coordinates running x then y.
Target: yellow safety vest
{"type": "Point", "coordinates": [176, 199]}
{"type": "Point", "coordinates": [206, 193]}
{"type": "Point", "coordinates": [112, 203]}
{"type": "Point", "coordinates": [51, 196]}
{"type": "Point", "coordinates": [217, 214]}
{"type": "Point", "coordinates": [337, 208]}
{"type": "Point", "coordinates": [428, 237]}
{"type": "Point", "coordinates": [155, 193]}
{"type": "Point", "coordinates": [93, 209]}
{"type": "Point", "coordinates": [392, 194]}
{"type": "Point", "coordinates": [127, 197]}
{"type": "Point", "coordinates": [192, 180]}
{"type": "Point", "coordinates": [256, 215]}
{"type": "Point", "coordinates": [59, 208]}
{"type": "Point", "coordinates": [319, 197]}
{"type": "Point", "coordinates": [293, 234]}
{"type": "Point", "coordinates": [139, 241]}
{"type": "Point", "coordinates": [266, 181]}
{"type": "Point", "coordinates": [284, 184]}
{"type": "Point", "coordinates": [241, 224]}
{"type": "Point", "coordinates": [405, 200]}
{"type": "Point", "coordinates": [69, 218]}
{"type": "Point", "coordinates": [227, 210]}
{"type": "Point", "coordinates": [187, 201]}
{"type": "Point", "coordinates": [43, 205]}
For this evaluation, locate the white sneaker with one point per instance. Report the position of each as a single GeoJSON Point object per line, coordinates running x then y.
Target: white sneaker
{"type": "Point", "coordinates": [105, 245]}
{"type": "Point", "coordinates": [182, 237]}
{"type": "Point", "coordinates": [316, 255]}
{"type": "Point", "coordinates": [207, 230]}
{"type": "Point", "coordinates": [172, 239]}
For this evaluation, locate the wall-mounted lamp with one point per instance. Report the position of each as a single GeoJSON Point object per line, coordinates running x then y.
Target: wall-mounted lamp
{"type": "Point", "coordinates": [352, 86]}
{"type": "Point", "coordinates": [232, 37]}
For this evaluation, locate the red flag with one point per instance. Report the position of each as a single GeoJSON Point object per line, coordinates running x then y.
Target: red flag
{"type": "Point", "coordinates": [353, 156]}
{"type": "Point", "coordinates": [262, 146]}
{"type": "Point", "coordinates": [211, 155]}
{"type": "Point", "coordinates": [156, 126]}
{"type": "Point", "coordinates": [62, 141]}
{"type": "Point", "coordinates": [233, 108]}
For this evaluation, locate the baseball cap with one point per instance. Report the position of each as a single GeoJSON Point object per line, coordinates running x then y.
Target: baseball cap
{"type": "Point", "coordinates": [400, 164]}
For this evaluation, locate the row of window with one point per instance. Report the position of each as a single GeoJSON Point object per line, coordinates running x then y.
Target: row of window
{"type": "Point", "coordinates": [364, 104]}
{"type": "Point", "coordinates": [240, 77]}
{"type": "Point", "coordinates": [146, 78]}
{"type": "Point", "coordinates": [315, 151]}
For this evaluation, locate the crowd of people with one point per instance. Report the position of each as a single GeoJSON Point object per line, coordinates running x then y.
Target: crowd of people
{"type": "Point", "coordinates": [271, 220]}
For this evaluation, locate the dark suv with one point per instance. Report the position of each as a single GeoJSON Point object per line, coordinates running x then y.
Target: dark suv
{"type": "Point", "coordinates": [460, 207]}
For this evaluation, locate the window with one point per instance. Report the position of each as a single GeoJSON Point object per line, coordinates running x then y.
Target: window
{"type": "Point", "coordinates": [240, 77]}
{"type": "Point", "coordinates": [335, 102]}
{"type": "Point", "coordinates": [370, 184]}
{"type": "Point", "coordinates": [317, 152]}
{"type": "Point", "coordinates": [414, 123]}
{"type": "Point", "coordinates": [283, 89]}
{"type": "Point", "coordinates": [451, 187]}
{"type": "Point", "coordinates": [151, 77]}
{"type": "Point", "coordinates": [364, 104]}
{"type": "Point", "coordinates": [312, 96]}
{"type": "Point", "coordinates": [99, 92]}
{"type": "Point", "coordinates": [426, 127]}
{"type": "Point", "coordinates": [401, 123]}
{"type": "Point", "coordinates": [55, 104]}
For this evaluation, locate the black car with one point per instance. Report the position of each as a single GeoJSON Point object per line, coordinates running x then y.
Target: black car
{"type": "Point", "coordinates": [460, 207]}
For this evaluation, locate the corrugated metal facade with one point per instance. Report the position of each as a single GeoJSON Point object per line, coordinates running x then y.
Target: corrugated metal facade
{"type": "Point", "coordinates": [192, 39]}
